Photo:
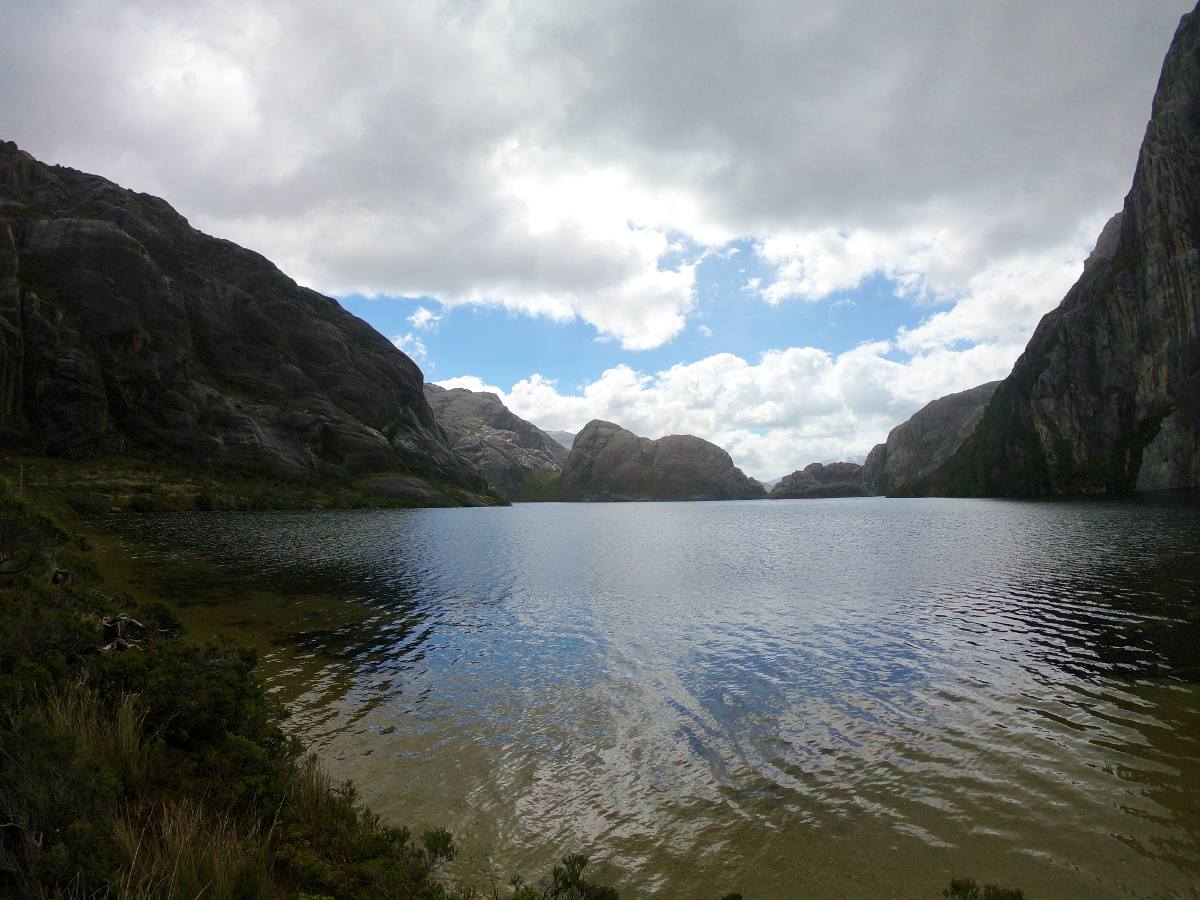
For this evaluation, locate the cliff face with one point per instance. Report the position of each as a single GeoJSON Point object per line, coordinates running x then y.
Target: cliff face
{"type": "Point", "coordinates": [122, 327]}
{"type": "Point", "coordinates": [1106, 397]}
{"type": "Point", "coordinates": [915, 448]}
{"type": "Point", "coordinates": [565, 438]}
{"type": "Point", "coordinates": [608, 462]}
{"type": "Point", "coordinates": [839, 479]}
{"type": "Point", "coordinates": [518, 459]}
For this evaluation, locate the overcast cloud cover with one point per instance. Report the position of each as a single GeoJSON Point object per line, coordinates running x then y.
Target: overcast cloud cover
{"type": "Point", "coordinates": [544, 156]}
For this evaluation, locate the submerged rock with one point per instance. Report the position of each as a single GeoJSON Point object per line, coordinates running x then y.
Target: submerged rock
{"type": "Point", "coordinates": [609, 462]}
{"type": "Point", "coordinates": [123, 328]}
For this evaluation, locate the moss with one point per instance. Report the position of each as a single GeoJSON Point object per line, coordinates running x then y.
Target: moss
{"type": "Point", "coordinates": [151, 483]}
{"type": "Point", "coordinates": [542, 487]}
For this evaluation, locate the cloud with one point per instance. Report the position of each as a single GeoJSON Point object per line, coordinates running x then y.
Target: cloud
{"type": "Point", "coordinates": [544, 157]}
{"type": "Point", "coordinates": [774, 415]}
{"type": "Point", "coordinates": [412, 345]}
{"type": "Point", "coordinates": [424, 319]}
{"type": "Point", "coordinates": [704, 330]}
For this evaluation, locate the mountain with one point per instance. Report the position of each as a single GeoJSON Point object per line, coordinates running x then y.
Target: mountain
{"type": "Point", "coordinates": [565, 438]}
{"type": "Point", "coordinates": [839, 479]}
{"type": "Point", "coordinates": [610, 463]}
{"type": "Point", "coordinates": [1106, 396]}
{"type": "Point", "coordinates": [519, 460]}
{"type": "Point", "coordinates": [122, 328]}
{"type": "Point", "coordinates": [930, 437]}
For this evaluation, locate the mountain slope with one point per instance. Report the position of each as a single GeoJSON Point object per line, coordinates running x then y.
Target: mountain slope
{"type": "Point", "coordinates": [122, 328]}
{"type": "Point", "coordinates": [609, 462]}
{"type": "Point", "coordinates": [1106, 396]}
{"type": "Point", "coordinates": [933, 433]}
{"type": "Point", "coordinates": [838, 479]}
{"type": "Point", "coordinates": [518, 458]}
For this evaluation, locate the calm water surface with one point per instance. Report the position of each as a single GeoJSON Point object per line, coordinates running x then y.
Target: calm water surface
{"type": "Point", "coordinates": [827, 698]}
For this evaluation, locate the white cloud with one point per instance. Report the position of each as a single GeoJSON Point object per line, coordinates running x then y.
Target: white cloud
{"type": "Point", "coordinates": [424, 319]}
{"type": "Point", "coordinates": [704, 330]}
{"type": "Point", "coordinates": [412, 345]}
{"type": "Point", "coordinates": [789, 408]}
{"type": "Point", "coordinates": [544, 156]}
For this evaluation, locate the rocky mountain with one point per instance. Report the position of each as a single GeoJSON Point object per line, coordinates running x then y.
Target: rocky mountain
{"type": "Point", "coordinates": [123, 328]}
{"type": "Point", "coordinates": [519, 460]}
{"type": "Point", "coordinates": [1106, 396]}
{"type": "Point", "coordinates": [565, 438]}
{"type": "Point", "coordinates": [610, 463]}
{"type": "Point", "coordinates": [839, 479]}
{"type": "Point", "coordinates": [917, 447]}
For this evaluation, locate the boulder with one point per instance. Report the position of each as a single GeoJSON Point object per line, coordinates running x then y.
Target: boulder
{"type": "Point", "coordinates": [609, 462]}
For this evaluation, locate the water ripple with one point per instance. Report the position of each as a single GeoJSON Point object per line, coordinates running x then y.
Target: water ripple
{"type": "Point", "coordinates": [839, 694]}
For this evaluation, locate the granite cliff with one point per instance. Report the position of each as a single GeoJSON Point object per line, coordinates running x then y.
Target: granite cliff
{"type": "Point", "coordinates": [1106, 396]}
{"type": "Point", "coordinates": [918, 446]}
{"type": "Point", "coordinates": [607, 462]}
{"type": "Point", "coordinates": [839, 479]}
{"type": "Point", "coordinates": [124, 329]}
{"type": "Point", "coordinates": [519, 460]}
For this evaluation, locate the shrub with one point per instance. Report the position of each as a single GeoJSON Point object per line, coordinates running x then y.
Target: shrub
{"type": "Point", "coordinates": [969, 889]}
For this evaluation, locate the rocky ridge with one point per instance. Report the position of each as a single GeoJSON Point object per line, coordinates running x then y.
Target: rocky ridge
{"type": "Point", "coordinates": [122, 328]}
{"type": "Point", "coordinates": [926, 440]}
{"type": "Point", "coordinates": [519, 460]}
{"type": "Point", "coordinates": [838, 479]}
{"type": "Point", "coordinates": [1106, 396]}
{"type": "Point", "coordinates": [609, 462]}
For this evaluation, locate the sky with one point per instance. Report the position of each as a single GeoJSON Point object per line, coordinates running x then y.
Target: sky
{"type": "Point", "coordinates": [780, 226]}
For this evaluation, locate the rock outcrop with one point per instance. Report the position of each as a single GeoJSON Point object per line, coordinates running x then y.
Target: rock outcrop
{"type": "Point", "coordinates": [519, 460]}
{"type": "Point", "coordinates": [839, 479]}
{"type": "Point", "coordinates": [1106, 396]}
{"type": "Point", "coordinates": [610, 463]}
{"type": "Point", "coordinates": [122, 328]}
{"type": "Point", "coordinates": [918, 446]}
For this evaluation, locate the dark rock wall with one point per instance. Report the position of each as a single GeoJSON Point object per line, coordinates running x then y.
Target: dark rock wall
{"type": "Point", "coordinates": [1106, 397]}
{"type": "Point", "coordinates": [122, 327]}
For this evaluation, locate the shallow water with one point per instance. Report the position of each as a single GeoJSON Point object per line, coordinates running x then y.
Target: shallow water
{"type": "Point", "coordinates": [827, 698]}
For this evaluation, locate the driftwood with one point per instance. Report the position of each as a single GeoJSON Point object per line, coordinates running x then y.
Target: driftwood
{"type": "Point", "coordinates": [114, 634]}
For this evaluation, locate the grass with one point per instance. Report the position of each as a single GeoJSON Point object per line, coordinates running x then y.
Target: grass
{"type": "Point", "coordinates": [151, 484]}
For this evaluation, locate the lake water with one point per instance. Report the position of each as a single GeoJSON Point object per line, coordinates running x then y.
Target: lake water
{"type": "Point", "coordinates": [825, 698]}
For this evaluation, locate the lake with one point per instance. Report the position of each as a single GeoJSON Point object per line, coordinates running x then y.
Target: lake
{"type": "Point", "coordinates": [830, 698]}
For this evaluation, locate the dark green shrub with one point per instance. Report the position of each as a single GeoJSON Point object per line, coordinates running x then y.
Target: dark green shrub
{"type": "Point", "coordinates": [969, 889]}
{"type": "Point", "coordinates": [89, 504]}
